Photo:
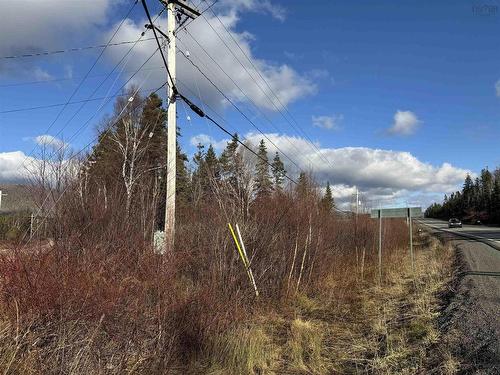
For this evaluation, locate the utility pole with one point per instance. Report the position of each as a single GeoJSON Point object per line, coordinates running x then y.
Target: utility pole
{"type": "Point", "coordinates": [1, 194]}
{"type": "Point", "coordinates": [171, 132]}
{"type": "Point", "coordinates": [175, 9]}
{"type": "Point", "coordinates": [357, 201]}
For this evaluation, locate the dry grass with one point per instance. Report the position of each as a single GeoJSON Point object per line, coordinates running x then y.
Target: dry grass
{"type": "Point", "coordinates": [101, 301]}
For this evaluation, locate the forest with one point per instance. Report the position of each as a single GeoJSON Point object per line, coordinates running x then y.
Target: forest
{"type": "Point", "coordinates": [479, 200]}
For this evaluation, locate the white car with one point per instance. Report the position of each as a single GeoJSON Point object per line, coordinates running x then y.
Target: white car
{"type": "Point", "coordinates": [454, 223]}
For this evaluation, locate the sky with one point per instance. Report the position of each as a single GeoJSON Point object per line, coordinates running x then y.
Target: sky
{"type": "Point", "coordinates": [399, 100]}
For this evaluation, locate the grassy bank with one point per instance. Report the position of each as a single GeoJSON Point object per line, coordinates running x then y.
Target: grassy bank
{"type": "Point", "coordinates": [386, 329]}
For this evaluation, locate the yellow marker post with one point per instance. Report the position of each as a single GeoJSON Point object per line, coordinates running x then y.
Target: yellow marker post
{"type": "Point", "coordinates": [244, 259]}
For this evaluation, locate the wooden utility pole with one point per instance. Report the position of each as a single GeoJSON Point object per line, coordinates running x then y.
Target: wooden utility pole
{"type": "Point", "coordinates": [175, 8]}
{"type": "Point", "coordinates": [171, 132]}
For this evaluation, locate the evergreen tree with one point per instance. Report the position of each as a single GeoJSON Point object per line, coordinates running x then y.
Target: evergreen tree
{"type": "Point", "coordinates": [207, 169]}
{"type": "Point", "coordinates": [212, 163]}
{"type": "Point", "coordinates": [228, 157]}
{"type": "Point", "coordinates": [486, 189]}
{"type": "Point", "coordinates": [279, 172]}
{"type": "Point", "coordinates": [182, 184]}
{"type": "Point", "coordinates": [495, 202]}
{"type": "Point", "coordinates": [327, 202]}
{"type": "Point", "coordinates": [197, 176]}
{"type": "Point", "coordinates": [263, 184]}
{"type": "Point", "coordinates": [468, 191]}
{"type": "Point", "coordinates": [303, 187]}
{"type": "Point", "coordinates": [477, 200]}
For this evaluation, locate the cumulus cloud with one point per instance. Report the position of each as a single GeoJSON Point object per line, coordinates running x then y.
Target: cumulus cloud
{"type": "Point", "coordinates": [17, 167]}
{"type": "Point", "coordinates": [13, 166]}
{"type": "Point", "coordinates": [328, 122]}
{"type": "Point", "coordinates": [262, 6]}
{"type": "Point", "coordinates": [405, 123]}
{"type": "Point", "coordinates": [211, 48]}
{"type": "Point", "coordinates": [207, 140]}
{"type": "Point", "coordinates": [497, 88]}
{"type": "Point", "coordinates": [385, 176]}
{"type": "Point", "coordinates": [47, 140]}
{"type": "Point", "coordinates": [47, 25]}
{"type": "Point", "coordinates": [51, 25]}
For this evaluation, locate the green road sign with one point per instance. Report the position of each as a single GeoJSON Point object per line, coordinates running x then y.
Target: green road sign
{"type": "Point", "coordinates": [397, 212]}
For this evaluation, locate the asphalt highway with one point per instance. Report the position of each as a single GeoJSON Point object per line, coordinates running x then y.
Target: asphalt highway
{"type": "Point", "coordinates": [474, 306]}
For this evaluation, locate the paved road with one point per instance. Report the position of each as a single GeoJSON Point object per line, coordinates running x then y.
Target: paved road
{"type": "Point", "coordinates": [474, 306]}
{"type": "Point", "coordinates": [489, 234]}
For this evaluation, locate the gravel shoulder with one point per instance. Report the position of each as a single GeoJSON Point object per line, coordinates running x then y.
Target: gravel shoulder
{"type": "Point", "coordinates": [470, 317]}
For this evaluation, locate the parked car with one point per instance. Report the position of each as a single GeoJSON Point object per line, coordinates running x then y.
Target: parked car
{"type": "Point", "coordinates": [454, 223]}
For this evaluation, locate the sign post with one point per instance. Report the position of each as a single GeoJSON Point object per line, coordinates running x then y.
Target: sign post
{"type": "Point", "coordinates": [411, 241]}
{"type": "Point", "coordinates": [380, 247]}
{"type": "Point", "coordinates": [408, 213]}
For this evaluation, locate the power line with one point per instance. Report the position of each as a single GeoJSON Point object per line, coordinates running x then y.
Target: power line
{"type": "Point", "coordinates": [68, 78]}
{"type": "Point", "coordinates": [74, 49]}
{"type": "Point", "coordinates": [84, 77]}
{"type": "Point", "coordinates": [158, 43]}
{"type": "Point", "coordinates": [241, 90]}
{"type": "Point", "coordinates": [84, 125]}
{"type": "Point", "coordinates": [102, 82]}
{"type": "Point", "coordinates": [120, 89]}
{"type": "Point", "coordinates": [182, 27]}
{"type": "Point", "coordinates": [68, 162]}
{"type": "Point", "coordinates": [265, 81]}
{"type": "Point", "coordinates": [200, 113]}
{"type": "Point", "coordinates": [59, 104]}
{"type": "Point", "coordinates": [240, 111]}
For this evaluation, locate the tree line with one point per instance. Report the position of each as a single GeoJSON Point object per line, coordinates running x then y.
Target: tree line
{"type": "Point", "coordinates": [479, 199]}
{"type": "Point", "coordinates": [129, 160]}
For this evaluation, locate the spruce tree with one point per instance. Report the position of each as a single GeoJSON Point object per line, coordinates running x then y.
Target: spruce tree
{"type": "Point", "coordinates": [495, 202]}
{"type": "Point", "coordinates": [468, 191]}
{"type": "Point", "coordinates": [263, 184]}
{"type": "Point", "coordinates": [212, 163]}
{"type": "Point", "coordinates": [279, 172]}
{"type": "Point", "coordinates": [303, 187]}
{"type": "Point", "coordinates": [327, 202]}
{"type": "Point", "coordinates": [486, 189]}
{"type": "Point", "coordinates": [197, 175]}
{"type": "Point", "coordinates": [228, 157]}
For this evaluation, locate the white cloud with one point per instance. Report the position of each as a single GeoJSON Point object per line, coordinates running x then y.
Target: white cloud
{"type": "Point", "coordinates": [262, 6]}
{"type": "Point", "coordinates": [207, 140]}
{"type": "Point", "coordinates": [13, 166]}
{"type": "Point", "coordinates": [41, 74]}
{"type": "Point", "coordinates": [17, 167]}
{"type": "Point", "coordinates": [384, 176]}
{"type": "Point", "coordinates": [497, 88]}
{"type": "Point", "coordinates": [210, 33]}
{"type": "Point", "coordinates": [47, 140]}
{"type": "Point", "coordinates": [328, 122]}
{"type": "Point", "coordinates": [47, 25]}
{"type": "Point", "coordinates": [201, 138]}
{"type": "Point", "coordinates": [405, 123]}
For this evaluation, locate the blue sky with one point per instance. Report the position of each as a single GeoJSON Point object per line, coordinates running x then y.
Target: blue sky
{"type": "Point", "coordinates": [348, 72]}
